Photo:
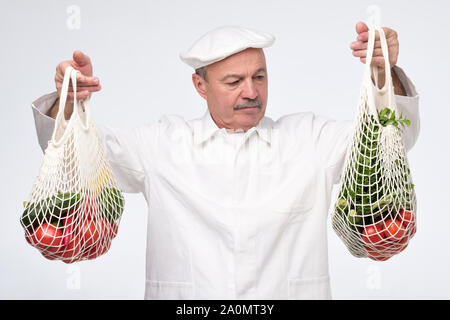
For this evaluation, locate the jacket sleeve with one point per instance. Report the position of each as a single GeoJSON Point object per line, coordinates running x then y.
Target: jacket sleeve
{"type": "Point", "coordinates": [122, 146]}
{"type": "Point", "coordinates": [332, 137]}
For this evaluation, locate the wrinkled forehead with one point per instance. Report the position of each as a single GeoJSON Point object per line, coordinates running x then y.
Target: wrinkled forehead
{"type": "Point", "coordinates": [250, 60]}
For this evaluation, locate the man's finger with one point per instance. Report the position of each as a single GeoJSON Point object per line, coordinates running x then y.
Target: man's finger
{"type": "Point", "coordinates": [80, 58]}
{"type": "Point", "coordinates": [379, 62]}
{"type": "Point", "coordinates": [83, 80]}
{"type": "Point", "coordinates": [361, 27]}
{"type": "Point", "coordinates": [364, 36]}
{"type": "Point", "coordinates": [86, 88]}
{"type": "Point", "coordinates": [61, 70]}
{"type": "Point", "coordinates": [81, 95]}
{"type": "Point", "coordinates": [389, 33]}
{"type": "Point", "coordinates": [363, 53]}
{"type": "Point", "coordinates": [360, 45]}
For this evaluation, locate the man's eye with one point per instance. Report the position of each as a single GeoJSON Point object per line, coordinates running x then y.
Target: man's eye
{"type": "Point", "coordinates": [260, 77]}
{"type": "Point", "coordinates": [234, 83]}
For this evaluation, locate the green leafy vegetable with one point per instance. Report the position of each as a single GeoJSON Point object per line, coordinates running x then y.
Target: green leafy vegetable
{"type": "Point", "coordinates": [113, 203]}
{"type": "Point", "coordinates": [51, 209]}
{"type": "Point", "coordinates": [361, 199]}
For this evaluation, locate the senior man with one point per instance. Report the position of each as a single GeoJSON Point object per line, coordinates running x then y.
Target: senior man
{"type": "Point", "coordinates": [237, 202]}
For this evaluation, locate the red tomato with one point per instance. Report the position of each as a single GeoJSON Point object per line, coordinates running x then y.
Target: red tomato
{"type": "Point", "coordinates": [71, 251]}
{"type": "Point", "coordinates": [412, 232]}
{"type": "Point", "coordinates": [89, 207]}
{"type": "Point", "coordinates": [404, 239]}
{"type": "Point", "coordinates": [68, 226]}
{"type": "Point", "coordinates": [47, 237]}
{"type": "Point", "coordinates": [103, 243]}
{"type": "Point", "coordinates": [396, 247]}
{"type": "Point", "coordinates": [109, 230]}
{"type": "Point", "coordinates": [402, 247]}
{"type": "Point", "coordinates": [383, 247]}
{"type": "Point", "coordinates": [98, 249]}
{"type": "Point", "coordinates": [373, 234]}
{"type": "Point", "coordinates": [380, 258]}
{"type": "Point", "coordinates": [49, 256]}
{"type": "Point", "coordinates": [28, 238]}
{"type": "Point", "coordinates": [374, 254]}
{"type": "Point", "coordinates": [114, 230]}
{"type": "Point", "coordinates": [92, 253]}
{"type": "Point", "coordinates": [394, 229]}
{"type": "Point", "coordinates": [90, 232]}
{"type": "Point", "coordinates": [406, 217]}
{"type": "Point", "coordinates": [106, 246]}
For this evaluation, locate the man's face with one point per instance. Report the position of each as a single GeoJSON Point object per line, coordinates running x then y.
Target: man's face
{"type": "Point", "coordinates": [236, 89]}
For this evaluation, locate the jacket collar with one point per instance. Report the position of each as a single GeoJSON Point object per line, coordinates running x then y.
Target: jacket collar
{"type": "Point", "coordinates": [205, 128]}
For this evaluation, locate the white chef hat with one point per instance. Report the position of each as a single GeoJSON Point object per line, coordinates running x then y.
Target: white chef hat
{"type": "Point", "coordinates": [222, 42]}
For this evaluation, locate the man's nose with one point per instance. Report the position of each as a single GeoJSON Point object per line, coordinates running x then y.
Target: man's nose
{"type": "Point", "coordinates": [249, 90]}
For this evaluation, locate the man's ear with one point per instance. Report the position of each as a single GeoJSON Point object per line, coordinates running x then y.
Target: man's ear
{"type": "Point", "coordinates": [200, 85]}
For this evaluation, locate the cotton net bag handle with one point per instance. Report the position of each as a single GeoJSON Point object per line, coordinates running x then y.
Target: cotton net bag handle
{"type": "Point", "coordinates": [388, 88]}
{"type": "Point", "coordinates": [84, 118]}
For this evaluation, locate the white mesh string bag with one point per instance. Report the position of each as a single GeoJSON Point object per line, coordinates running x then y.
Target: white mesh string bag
{"type": "Point", "coordinates": [75, 206]}
{"type": "Point", "coordinates": [375, 211]}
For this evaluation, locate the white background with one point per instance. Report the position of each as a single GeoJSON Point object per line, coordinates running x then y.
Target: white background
{"type": "Point", "coordinates": [134, 47]}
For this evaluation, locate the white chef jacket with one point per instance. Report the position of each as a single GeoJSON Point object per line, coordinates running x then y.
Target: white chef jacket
{"type": "Point", "coordinates": [234, 215]}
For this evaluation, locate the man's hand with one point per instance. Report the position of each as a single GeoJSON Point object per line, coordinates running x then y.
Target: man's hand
{"type": "Point", "coordinates": [359, 48]}
{"type": "Point", "coordinates": [86, 83]}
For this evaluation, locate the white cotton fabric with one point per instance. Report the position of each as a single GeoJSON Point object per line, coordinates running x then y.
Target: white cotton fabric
{"type": "Point", "coordinates": [239, 218]}
{"type": "Point", "coordinates": [222, 42]}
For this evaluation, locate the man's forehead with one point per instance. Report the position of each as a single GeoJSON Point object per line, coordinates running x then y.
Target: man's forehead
{"type": "Point", "coordinates": [242, 74]}
{"type": "Point", "coordinates": [251, 59]}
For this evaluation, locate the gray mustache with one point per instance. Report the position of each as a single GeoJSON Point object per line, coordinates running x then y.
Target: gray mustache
{"type": "Point", "coordinates": [249, 103]}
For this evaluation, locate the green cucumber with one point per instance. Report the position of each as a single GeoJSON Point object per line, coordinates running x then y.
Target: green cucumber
{"type": "Point", "coordinates": [51, 209]}
{"type": "Point", "coordinates": [113, 203]}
